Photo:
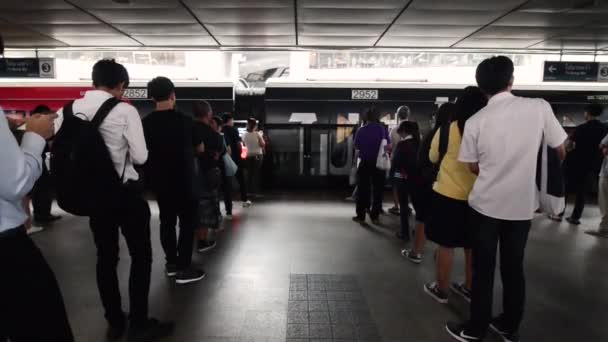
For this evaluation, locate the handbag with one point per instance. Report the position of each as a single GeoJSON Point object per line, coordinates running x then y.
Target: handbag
{"type": "Point", "coordinates": [383, 161]}
{"type": "Point", "coordinates": [230, 166]}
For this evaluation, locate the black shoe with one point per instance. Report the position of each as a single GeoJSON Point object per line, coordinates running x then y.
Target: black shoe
{"type": "Point", "coordinates": [498, 327]}
{"type": "Point", "coordinates": [394, 211]}
{"type": "Point", "coordinates": [204, 246]}
{"type": "Point", "coordinates": [359, 220]}
{"type": "Point", "coordinates": [411, 256]}
{"type": "Point", "coordinates": [47, 219]}
{"type": "Point", "coordinates": [116, 331]}
{"type": "Point", "coordinates": [461, 290]}
{"type": "Point", "coordinates": [189, 276]}
{"type": "Point", "coordinates": [573, 221]}
{"type": "Point", "coordinates": [432, 289]}
{"type": "Point", "coordinates": [376, 221]}
{"type": "Point", "coordinates": [171, 270]}
{"type": "Point", "coordinates": [459, 333]}
{"type": "Point", "coordinates": [150, 330]}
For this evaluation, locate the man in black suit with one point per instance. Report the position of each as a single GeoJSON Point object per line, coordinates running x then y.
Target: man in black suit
{"type": "Point", "coordinates": [585, 159]}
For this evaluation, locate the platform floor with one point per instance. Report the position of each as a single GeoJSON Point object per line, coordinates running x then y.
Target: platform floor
{"type": "Point", "coordinates": [280, 248]}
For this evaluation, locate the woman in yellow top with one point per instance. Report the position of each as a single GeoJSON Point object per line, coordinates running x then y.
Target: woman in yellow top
{"type": "Point", "coordinates": [450, 216]}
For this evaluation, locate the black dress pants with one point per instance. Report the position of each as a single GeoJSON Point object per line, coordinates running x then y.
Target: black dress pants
{"type": "Point", "coordinates": [578, 185]}
{"type": "Point", "coordinates": [132, 219]}
{"type": "Point", "coordinates": [403, 188]}
{"type": "Point", "coordinates": [227, 190]}
{"type": "Point", "coordinates": [31, 305]}
{"type": "Point", "coordinates": [370, 184]}
{"type": "Point", "coordinates": [240, 178]}
{"type": "Point", "coordinates": [178, 251]}
{"type": "Point", "coordinates": [512, 237]}
{"type": "Point", "coordinates": [42, 195]}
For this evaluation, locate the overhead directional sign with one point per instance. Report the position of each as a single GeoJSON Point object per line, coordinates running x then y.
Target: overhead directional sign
{"type": "Point", "coordinates": [27, 67]}
{"type": "Point", "coordinates": [575, 72]}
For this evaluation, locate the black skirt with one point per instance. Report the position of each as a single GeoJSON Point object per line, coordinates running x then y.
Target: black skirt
{"type": "Point", "coordinates": [449, 222]}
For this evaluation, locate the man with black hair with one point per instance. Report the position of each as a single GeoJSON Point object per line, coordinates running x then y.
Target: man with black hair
{"type": "Point", "coordinates": [503, 153]}
{"type": "Point", "coordinates": [170, 169]}
{"type": "Point", "coordinates": [124, 137]}
{"type": "Point", "coordinates": [585, 159]}
{"type": "Point", "coordinates": [234, 142]}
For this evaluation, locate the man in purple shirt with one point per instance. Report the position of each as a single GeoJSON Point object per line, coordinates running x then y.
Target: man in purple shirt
{"type": "Point", "coordinates": [369, 177]}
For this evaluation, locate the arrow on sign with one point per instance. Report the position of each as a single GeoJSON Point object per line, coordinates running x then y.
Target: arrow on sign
{"type": "Point", "coordinates": [552, 69]}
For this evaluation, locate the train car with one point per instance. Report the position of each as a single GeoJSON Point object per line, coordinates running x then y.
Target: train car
{"type": "Point", "coordinates": [311, 123]}
{"type": "Point", "coordinates": [19, 99]}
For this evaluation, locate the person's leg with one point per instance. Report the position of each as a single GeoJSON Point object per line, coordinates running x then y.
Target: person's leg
{"type": "Point", "coordinates": [168, 211]}
{"type": "Point", "coordinates": [187, 226]}
{"type": "Point", "coordinates": [396, 199]}
{"type": "Point", "coordinates": [468, 268]}
{"type": "Point", "coordinates": [403, 196]}
{"type": "Point", "coordinates": [32, 306]}
{"type": "Point", "coordinates": [105, 235]}
{"type": "Point", "coordinates": [419, 238]}
{"type": "Point", "coordinates": [445, 259]}
{"type": "Point", "coordinates": [579, 202]}
{"type": "Point", "coordinates": [603, 203]}
{"type": "Point", "coordinates": [42, 198]}
{"type": "Point", "coordinates": [135, 227]}
{"type": "Point", "coordinates": [485, 241]}
{"type": "Point", "coordinates": [364, 185]}
{"type": "Point", "coordinates": [257, 175]}
{"type": "Point", "coordinates": [227, 189]}
{"type": "Point", "coordinates": [378, 178]}
{"type": "Point", "coordinates": [513, 240]}
{"type": "Point", "coordinates": [240, 177]}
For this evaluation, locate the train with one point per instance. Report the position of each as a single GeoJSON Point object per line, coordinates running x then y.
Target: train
{"type": "Point", "coordinates": [309, 125]}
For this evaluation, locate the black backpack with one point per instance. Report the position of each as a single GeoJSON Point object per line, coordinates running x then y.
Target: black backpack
{"type": "Point", "coordinates": [428, 169]}
{"type": "Point", "coordinates": [84, 174]}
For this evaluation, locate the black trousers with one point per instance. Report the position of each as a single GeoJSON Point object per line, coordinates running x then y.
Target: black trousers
{"type": "Point", "coordinates": [240, 178]}
{"type": "Point", "coordinates": [370, 184]}
{"type": "Point", "coordinates": [42, 195]}
{"type": "Point", "coordinates": [178, 251]}
{"type": "Point", "coordinates": [254, 165]}
{"type": "Point", "coordinates": [512, 237]}
{"type": "Point", "coordinates": [578, 185]}
{"type": "Point", "coordinates": [403, 188]}
{"type": "Point", "coordinates": [31, 305]}
{"type": "Point", "coordinates": [132, 218]}
{"type": "Point", "coordinates": [227, 190]}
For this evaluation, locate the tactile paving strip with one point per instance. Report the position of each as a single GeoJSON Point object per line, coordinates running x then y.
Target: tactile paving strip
{"type": "Point", "coordinates": [328, 308]}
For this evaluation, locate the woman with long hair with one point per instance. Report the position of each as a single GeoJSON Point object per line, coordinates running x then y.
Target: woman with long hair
{"type": "Point", "coordinates": [450, 220]}
{"type": "Point", "coordinates": [405, 171]}
{"type": "Point", "coordinates": [423, 186]}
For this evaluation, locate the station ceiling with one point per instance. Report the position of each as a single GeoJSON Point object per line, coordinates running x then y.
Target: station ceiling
{"type": "Point", "coordinates": [470, 24]}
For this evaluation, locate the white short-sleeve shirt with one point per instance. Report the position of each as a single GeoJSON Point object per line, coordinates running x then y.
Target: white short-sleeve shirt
{"type": "Point", "coordinates": [504, 139]}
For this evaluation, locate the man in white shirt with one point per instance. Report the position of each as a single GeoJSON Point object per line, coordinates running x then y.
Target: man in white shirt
{"type": "Point", "coordinates": [500, 144]}
{"type": "Point", "coordinates": [123, 134]}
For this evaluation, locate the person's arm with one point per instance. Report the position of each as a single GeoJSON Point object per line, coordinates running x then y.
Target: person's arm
{"type": "Point", "coordinates": [261, 140]}
{"type": "Point", "coordinates": [554, 133]}
{"type": "Point", "coordinates": [434, 150]}
{"type": "Point", "coordinates": [134, 133]}
{"type": "Point", "coordinates": [474, 168]}
{"type": "Point", "coordinates": [469, 153]}
{"type": "Point", "coordinates": [21, 167]}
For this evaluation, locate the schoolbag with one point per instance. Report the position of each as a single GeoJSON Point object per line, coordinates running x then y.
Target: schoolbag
{"type": "Point", "coordinates": [428, 169]}
{"type": "Point", "coordinates": [85, 178]}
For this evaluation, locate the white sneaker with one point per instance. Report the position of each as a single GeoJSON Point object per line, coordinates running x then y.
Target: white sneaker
{"type": "Point", "coordinates": [34, 230]}
{"type": "Point", "coordinates": [247, 204]}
